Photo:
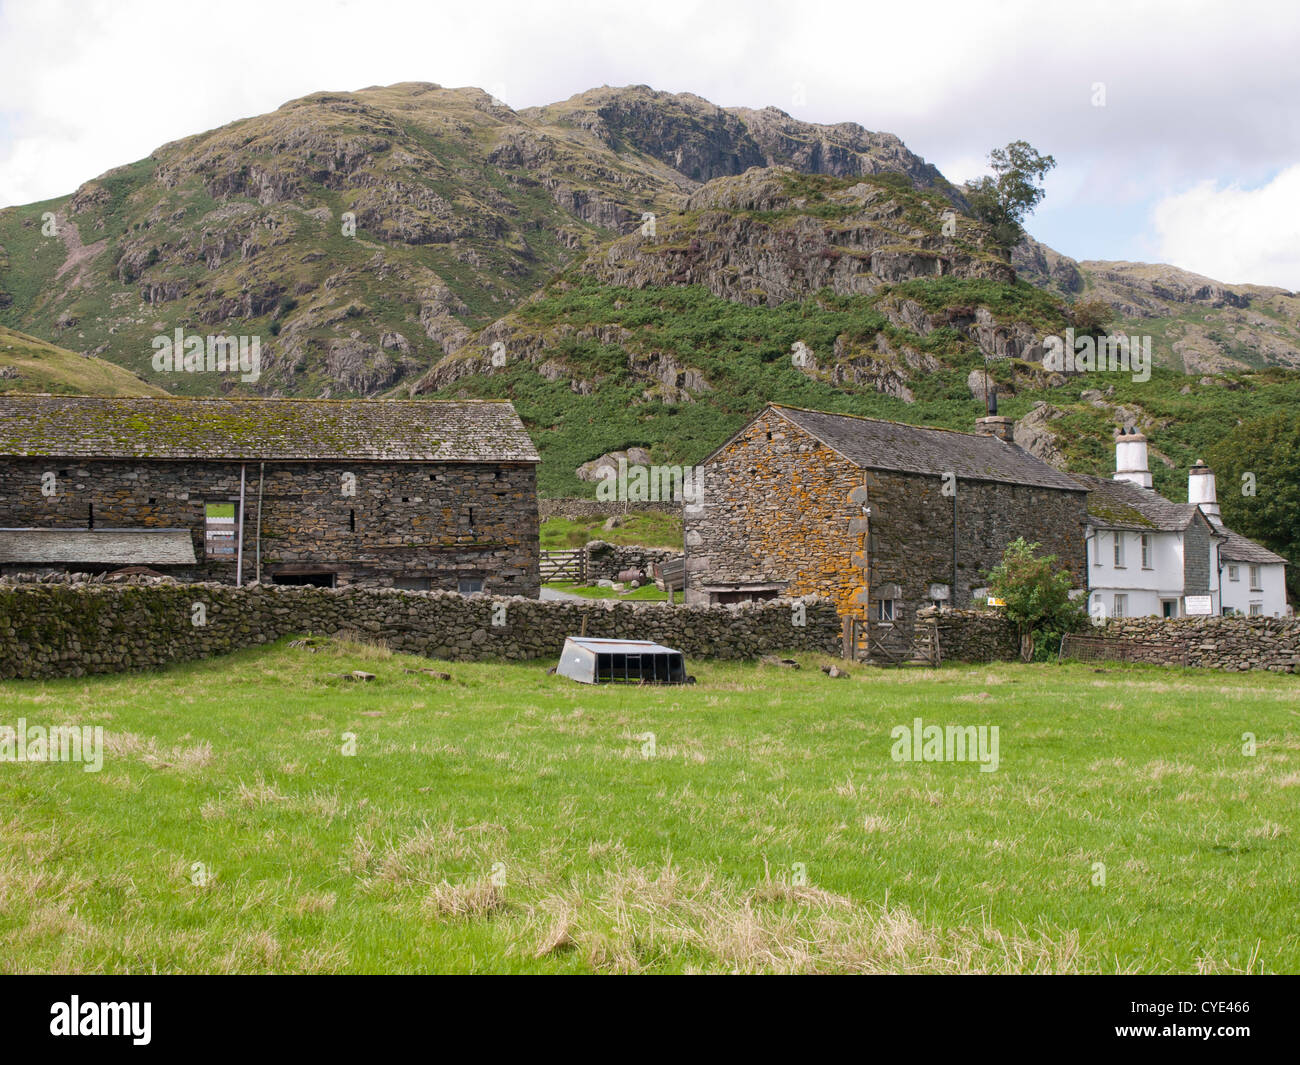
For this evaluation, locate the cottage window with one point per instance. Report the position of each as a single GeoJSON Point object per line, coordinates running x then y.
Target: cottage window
{"type": "Point", "coordinates": [1119, 550]}
{"type": "Point", "coordinates": [884, 609]}
{"type": "Point", "coordinates": [1146, 551]}
{"type": "Point", "coordinates": [1096, 549]}
{"type": "Point", "coordinates": [1256, 609]}
{"type": "Point", "coordinates": [1233, 573]}
{"type": "Point", "coordinates": [1121, 607]}
{"type": "Point", "coordinates": [1255, 586]}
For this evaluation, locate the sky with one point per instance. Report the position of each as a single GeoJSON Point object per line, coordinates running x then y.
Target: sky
{"type": "Point", "coordinates": [1174, 124]}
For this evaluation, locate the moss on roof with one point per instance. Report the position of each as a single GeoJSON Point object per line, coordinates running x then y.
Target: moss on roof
{"type": "Point", "coordinates": [252, 429]}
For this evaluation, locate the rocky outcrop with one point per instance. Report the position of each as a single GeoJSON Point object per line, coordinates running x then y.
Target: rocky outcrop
{"type": "Point", "coordinates": [599, 469]}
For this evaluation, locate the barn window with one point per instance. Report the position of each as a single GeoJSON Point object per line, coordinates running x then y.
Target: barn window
{"type": "Point", "coordinates": [90, 515]}
{"type": "Point", "coordinates": [884, 609]}
{"type": "Point", "coordinates": [352, 521]}
{"type": "Point", "coordinates": [412, 584]}
{"type": "Point", "coordinates": [469, 585]}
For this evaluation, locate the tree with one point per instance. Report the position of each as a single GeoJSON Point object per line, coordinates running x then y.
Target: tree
{"type": "Point", "coordinates": [1016, 189]}
{"type": "Point", "coordinates": [1035, 591]}
{"type": "Point", "coordinates": [1091, 316]}
{"type": "Point", "coordinates": [1257, 467]}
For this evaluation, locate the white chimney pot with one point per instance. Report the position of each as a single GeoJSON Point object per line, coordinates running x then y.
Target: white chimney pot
{"type": "Point", "coordinates": [1131, 459]}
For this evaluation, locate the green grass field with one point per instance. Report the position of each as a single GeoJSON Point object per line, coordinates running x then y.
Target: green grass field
{"type": "Point", "coordinates": [506, 820]}
{"type": "Point", "coordinates": [647, 593]}
{"type": "Point", "coordinates": [644, 530]}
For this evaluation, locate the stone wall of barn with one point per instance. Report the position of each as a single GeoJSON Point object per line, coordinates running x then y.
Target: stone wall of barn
{"type": "Point", "coordinates": [370, 523]}
{"type": "Point", "coordinates": [776, 508]}
{"type": "Point", "coordinates": [73, 629]}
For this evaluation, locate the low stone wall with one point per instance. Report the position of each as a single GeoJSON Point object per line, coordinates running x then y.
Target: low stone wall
{"type": "Point", "coordinates": [577, 508]}
{"type": "Point", "coordinates": [605, 561]}
{"type": "Point", "coordinates": [970, 635]}
{"type": "Point", "coordinates": [1237, 643]}
{"type": "Point", "coordinates": [52, 630]}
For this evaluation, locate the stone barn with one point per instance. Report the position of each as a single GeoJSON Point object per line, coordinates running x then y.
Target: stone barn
{"type": "Point", "coordinates": [880, 517]}
{"type": "Point", "coordinates": [420, 495]}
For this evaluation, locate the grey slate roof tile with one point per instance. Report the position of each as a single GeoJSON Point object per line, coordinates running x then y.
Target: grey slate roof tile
{"type": "Point", "coordinates": [262, 429]}
{"type": "Point", "coordinates": [882, 445]}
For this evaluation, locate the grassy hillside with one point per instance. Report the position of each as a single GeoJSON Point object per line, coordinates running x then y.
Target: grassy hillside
{"type": "Point", "coordinates": [31, 365]}
{"type": "Point", "coordinates": [744, 353]}
{"type": "Point", "coordinates": [510, 821]}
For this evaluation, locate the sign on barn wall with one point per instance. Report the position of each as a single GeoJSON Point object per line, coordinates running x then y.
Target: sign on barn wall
{"type": "Point", "coordinates": [221, 534]}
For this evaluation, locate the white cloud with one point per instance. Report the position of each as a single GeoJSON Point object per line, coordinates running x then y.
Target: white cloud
{"type": "Point", "coordinates": [1233, 234]}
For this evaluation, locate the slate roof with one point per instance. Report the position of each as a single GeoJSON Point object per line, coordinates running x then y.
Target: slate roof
{"type": "Point", "coordinates": [257, 429]}
{"type": "Point", "coordinates": [881, 445]}
{"type": "Point", "coordinates": [1238, 548]}
{"type": "Point", "coordinates": [108, 547]}
{"type": "Point", "coordinates": [1124, 505]}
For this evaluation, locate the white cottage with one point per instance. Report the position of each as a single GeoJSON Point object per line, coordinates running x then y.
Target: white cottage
{"type": "Point", "coordinates": [1147, 556]}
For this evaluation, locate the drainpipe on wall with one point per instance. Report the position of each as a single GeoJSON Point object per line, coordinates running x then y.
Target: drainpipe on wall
{"type": "Point", "coordinates": [261, 476]}
{"type": "Point", "coordinates": [952, 596]}
{"type": "Point", "coordinates": [239, 547]}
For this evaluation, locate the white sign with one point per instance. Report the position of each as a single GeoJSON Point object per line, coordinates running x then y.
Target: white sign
{"type": "Point", "coordinates": [1198, 604]}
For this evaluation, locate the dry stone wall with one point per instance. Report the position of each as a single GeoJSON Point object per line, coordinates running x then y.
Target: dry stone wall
{"type": "Point", "coordinates": [74, 629]}
{"type": "Point", "coordinates": [576, 508]}
{"type": "Point", "coordinates": [1236, 644]}
{"type": "Point", "coordinates": [606, 561]}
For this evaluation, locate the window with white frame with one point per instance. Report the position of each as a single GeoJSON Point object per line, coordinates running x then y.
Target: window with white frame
{"type": "Point", "coordinates": [1256, 609]}
{"type": "Point", "coordinates": [1096, 549]}
{"type": "Point", "coordinates": [1234, 573]}
{"type": "Point", "coordinates": [1255, 586]}
{"type": "Point", "coordinates": [1120, 607]}
{"type": "Point", "coordinates": [1119, 550]}
{"type": "Point", "coordinates": [1146, 551]}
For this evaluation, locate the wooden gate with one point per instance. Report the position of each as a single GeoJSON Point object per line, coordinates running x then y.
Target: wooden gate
{"type": "Point", "coordinates": [564, 566]}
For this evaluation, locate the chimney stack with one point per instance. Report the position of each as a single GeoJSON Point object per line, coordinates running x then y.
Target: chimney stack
{"type": "Point", "coordinates": [1131, 458]}
{"type": "Point", "coordinates": [1002, 428]}
{"type": "Point", "coordinates": [1201, 489]}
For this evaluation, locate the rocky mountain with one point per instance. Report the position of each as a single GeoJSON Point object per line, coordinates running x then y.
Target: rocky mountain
{"type": "Point", "coordinates": [363, 235]}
